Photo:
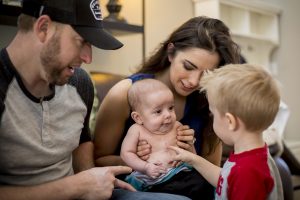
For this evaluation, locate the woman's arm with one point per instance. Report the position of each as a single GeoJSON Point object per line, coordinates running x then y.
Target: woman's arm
{"type": "Point", "coordinates": [110, 122]}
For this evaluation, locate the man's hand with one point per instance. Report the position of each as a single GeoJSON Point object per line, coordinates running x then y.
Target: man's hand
{"type": "Point", "coordinates": [98, 183]}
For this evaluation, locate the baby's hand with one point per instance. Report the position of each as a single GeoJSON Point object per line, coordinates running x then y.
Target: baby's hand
{"type": "Point", "coordinates": [155, 170]}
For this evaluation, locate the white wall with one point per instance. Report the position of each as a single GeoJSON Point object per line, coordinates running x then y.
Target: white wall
{"type": "Point", "coordinates": [124, 60]}
{"type": "Point", "coordinates": [161, 18]}
{"type": "Point", "coordinates": [287, 56]}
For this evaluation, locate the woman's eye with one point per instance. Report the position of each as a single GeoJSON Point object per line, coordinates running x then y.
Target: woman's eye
{"type": "Point", "coordinates": [188, 66]}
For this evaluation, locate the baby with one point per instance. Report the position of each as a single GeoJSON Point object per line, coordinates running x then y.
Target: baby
{"type": "Point", "coordinates": [153, 110]}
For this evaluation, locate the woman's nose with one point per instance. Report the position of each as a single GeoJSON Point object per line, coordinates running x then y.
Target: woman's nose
{"type": "Point", "coordinates": [86, 53]}
{"type": "Point", "coordinates": [194, 79]}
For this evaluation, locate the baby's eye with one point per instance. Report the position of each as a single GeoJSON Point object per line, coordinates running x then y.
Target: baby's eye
{"type": "Point", "coordinates": [157, 111]}
{"type": "Point", "coordinates": [171, 107]}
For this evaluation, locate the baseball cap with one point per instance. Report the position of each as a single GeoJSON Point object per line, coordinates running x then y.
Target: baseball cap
{"type": "Point", "coordinates": [83, 15]}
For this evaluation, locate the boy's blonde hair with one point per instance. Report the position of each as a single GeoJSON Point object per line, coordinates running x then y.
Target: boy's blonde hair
{"type": "Point", "coordinates": [247, 91]}
{"type": "Point", "coordinates": [140, 88]}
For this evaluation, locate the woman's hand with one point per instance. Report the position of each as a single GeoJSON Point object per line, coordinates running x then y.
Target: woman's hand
{"type": "Point", "coordinates": [143, 150]}
{"type": "Point", "coordinates": [185, 138]}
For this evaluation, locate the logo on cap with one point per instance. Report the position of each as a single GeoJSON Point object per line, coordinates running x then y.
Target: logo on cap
{"type": "Point", "coordinates": [95, 8]}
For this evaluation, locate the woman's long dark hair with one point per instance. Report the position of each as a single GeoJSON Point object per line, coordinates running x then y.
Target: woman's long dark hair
{"type": "Point", "coordinates": [200, 32]}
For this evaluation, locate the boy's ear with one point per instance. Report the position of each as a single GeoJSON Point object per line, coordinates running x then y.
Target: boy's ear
{"type": "Point", "coordinates": [232, 121]}
{"type": "Point", "coordinates": [136, 117]}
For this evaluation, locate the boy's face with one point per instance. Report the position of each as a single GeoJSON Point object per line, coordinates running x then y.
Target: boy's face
{"type": "Point", "coordinates": [157, 111]}
{"type": "Point", "coordinates": [220, 123]}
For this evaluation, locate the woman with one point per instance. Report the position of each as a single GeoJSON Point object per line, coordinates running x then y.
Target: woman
{"type": "Point", "coordinates": [199, 44]}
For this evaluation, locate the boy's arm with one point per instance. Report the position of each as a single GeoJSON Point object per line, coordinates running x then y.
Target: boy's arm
{"type": "Point", "coordinates": [208, 170]}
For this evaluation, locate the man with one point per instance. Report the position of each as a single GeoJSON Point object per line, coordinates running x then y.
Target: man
{"type": "Point", "coordinates": [45, 103]}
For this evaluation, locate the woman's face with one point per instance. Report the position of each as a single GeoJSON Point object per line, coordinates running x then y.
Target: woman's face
{"type": "Point", "coordinates": [187, 67]}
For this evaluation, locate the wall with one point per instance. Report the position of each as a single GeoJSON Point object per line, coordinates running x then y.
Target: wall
{"type": "Point", "coordinates": [288, 64]}
{"type": "Point", "coordinates": [160, 20]}
{"type": "Point", "coordinates": [6, 34]}
{"type": "Point", "coordinates": [124, 60]}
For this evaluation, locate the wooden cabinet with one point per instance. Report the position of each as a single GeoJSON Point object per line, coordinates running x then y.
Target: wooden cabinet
{"type": "Point", "coordinates": [254, 25]}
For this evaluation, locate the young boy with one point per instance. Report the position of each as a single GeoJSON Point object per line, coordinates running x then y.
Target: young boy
{"type": "Point", "coordinates": [244, 100]}
{"type": "Point", "coordinates": [152, 105]}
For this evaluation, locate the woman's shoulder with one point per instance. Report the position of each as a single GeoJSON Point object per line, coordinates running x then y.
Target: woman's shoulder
{"type": "Point", "coordinates": [116, 99]}
{"type": "Point", "coordinates": [120, 88]}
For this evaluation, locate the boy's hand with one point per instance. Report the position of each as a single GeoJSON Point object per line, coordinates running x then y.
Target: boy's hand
{"type": "Point", "coordinates": [182, 155]}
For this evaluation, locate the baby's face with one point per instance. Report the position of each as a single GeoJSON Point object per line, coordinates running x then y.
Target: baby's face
{"type": "Point", "coordinates": [158, 111]}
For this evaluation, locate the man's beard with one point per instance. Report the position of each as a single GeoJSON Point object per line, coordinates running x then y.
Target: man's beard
{"type": "Point", "coordinates": [50, 60]}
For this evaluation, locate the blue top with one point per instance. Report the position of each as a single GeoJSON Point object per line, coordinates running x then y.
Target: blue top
{"type": "Point", "coordinates": [194, 115]}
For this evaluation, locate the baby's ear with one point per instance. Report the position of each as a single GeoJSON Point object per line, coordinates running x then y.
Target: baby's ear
{"type": "Point", "coordinates": [136, 117]}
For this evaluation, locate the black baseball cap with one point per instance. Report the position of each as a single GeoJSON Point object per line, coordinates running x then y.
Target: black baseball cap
{"type": "Point", "coordinates": [83, 15]}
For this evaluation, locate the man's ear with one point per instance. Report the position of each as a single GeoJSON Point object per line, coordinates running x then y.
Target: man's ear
{"type": "Point", "coordinates": [171, 49]}
{"type": "Point", "coordinates": [42, 27]}
{"type": "Point", "coordinates": [136, 117]}
{"type": "Point", "coordinates": [231, 121]}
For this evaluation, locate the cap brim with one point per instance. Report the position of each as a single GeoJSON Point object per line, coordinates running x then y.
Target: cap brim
{"type": "Point", "coordinates": [98, 37]}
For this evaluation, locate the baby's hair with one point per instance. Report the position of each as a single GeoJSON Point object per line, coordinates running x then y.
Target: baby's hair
{"type": "Point", "coordinates": [140, 88]}
{"type": "Point", "coordinates": [247, 91]}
